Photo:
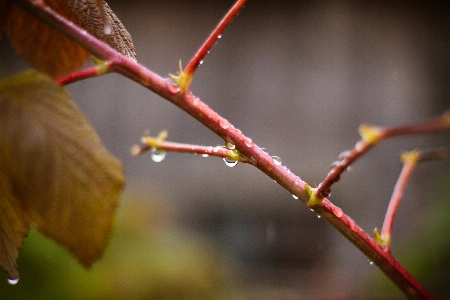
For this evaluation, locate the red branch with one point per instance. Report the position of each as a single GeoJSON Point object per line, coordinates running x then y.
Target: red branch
{"type": "Point", "coordinates": [255, 155]}
{"type": "Point", "coordinates": [98, 70]}
{"type": "Point", "coordinates": [373, 135]}
{"type": "Point", "coordinates": [410, 160]}
{"type": "Point", "coordinates": [213, 37]}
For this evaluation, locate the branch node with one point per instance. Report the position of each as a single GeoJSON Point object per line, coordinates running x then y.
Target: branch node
{"type": "Point", "coordinates": [183, 79]}
{"type": "Point", "coordinates": [370, 134]}
{"type": "Point", "coordinates": [314, 198]}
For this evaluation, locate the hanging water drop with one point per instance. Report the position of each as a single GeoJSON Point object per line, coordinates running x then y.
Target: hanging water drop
{"type": "Point", "coordinates": [276, 160]}
{"type": "Point", "coordinates": [230, 162]}
{"type": "Point", "coordinates": [13, 281]}
{"type": "Point", "coordinates": [318, 216]}
{"type": "Point", "coordinates": [158, 155]}
{"type": "Point", "coordinates": [201, 62]}
{"type": "Point", "coordinates": [219, 36]}
{"type": "Point", "coordinates": [295, 197]}
{"type": "Point", "coordinates": [205, 155]}
{"type": "Point", "coordinates": [371, 262]}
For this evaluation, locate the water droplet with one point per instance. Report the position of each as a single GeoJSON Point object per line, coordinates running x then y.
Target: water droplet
{"type": "Point", "coordinates": [158, 155]}
{"type": "Point", "coordinates": [205, 155]}
{"type": "Point", "coordinates": [201, 62]}
{"type": "Point", "coordinates": [344, 154]}
{"type": "Point", "coordinates": [311, 209]}
{"type": "Point", "coordinates": [230, 162]}
{"type": "Point", "coordinates": [195, 101]}
{"type": "Point", "coordinates": [349, 169]}
{"type": "Point", "coordinates": [224, 124]}
{"type": "Point", "coordinates": [276, 160]}
{"type": "Point", "coordinates": [371, 262]}
{"type": "Point", "coordinates": [216, 149]}
{"type": "Point", "coordinates": [295, 197]}
{"type": "Point", "coordinates": [219, 36]}
{"type": "Point", "coordinates": [107, 30]}
{"type": "Point", "coordinates": [318, 216]}
{"type": "Point", "coordinates": [338, 212]}
{"type": "Point", "coordinates": [13, 281]}
{"type": "Point", "coordinates": [334, 164]}
{"type": "Point", "coordinates": [230, 146]}
{"type": "Point", "coordinates": [248, 142]}
{"type": "Point", "coordinates": [173, 88]}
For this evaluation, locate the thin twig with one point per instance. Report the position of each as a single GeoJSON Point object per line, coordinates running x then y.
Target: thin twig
{"type": "Point", "coordinates": [100, 69]}
{"type": "Point", "coordinates": [410, 160]}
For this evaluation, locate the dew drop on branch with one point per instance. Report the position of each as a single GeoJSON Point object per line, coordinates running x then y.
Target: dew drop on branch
{"type": "Point", "coordinates": [295, 197]}
{"type": "Point", "coordinates": [230, 146]}
{"type": "Point", "coordinates": [248, 142]}
{"type": "Point", "coordinates": [276, 160]}
{"type": "Point", "coordinates": [158, 155]}
{"type": "Point", "coordinates": [224, 124]}
{"type": "Point", "coordinates": [13, 281]}
{"type": "Point", "coordinates": [230, 162]}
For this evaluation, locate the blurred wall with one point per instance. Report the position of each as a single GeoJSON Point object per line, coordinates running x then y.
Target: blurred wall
{"type": "Point", "coordinates": [298, 77]}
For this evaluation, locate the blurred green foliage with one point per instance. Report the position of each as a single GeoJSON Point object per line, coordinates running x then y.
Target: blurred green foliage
{"type": "Point", "coordinates": [148, 258]}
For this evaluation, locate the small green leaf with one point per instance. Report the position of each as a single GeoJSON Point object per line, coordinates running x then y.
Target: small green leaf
{"type": "Point", "coordinates": [60, 173]}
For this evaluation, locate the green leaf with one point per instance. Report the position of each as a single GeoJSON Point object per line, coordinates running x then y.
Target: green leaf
{"type": "Point", "coordinates": [65, 181]}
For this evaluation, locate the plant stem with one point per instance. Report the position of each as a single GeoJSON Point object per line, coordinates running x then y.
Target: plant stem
{"type": "Point", "coordinates": [213, 37]}
{"type": "Point", "coordinates": [371, 136]}
{"type": "Point", "coordinates": [255, 155]}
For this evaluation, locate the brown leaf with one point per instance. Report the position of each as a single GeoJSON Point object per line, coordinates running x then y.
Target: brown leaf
{"type": "Point", "coordinates": [65, 180]}
{"type": "Point", "coordinates": [98, 18]}
{"type": "Point", "coordinates": [14, 227]}
{"type": "Point", "coordinates": [42, 47]}
{"type": "Point", "coordinates": [4, 9]}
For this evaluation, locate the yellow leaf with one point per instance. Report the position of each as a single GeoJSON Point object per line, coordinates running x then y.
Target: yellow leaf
{"type": "Point", "coordinates": [64, 179]}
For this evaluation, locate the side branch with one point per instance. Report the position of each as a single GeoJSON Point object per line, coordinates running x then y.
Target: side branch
{"type": "Point", "coordinates": [370, 136]}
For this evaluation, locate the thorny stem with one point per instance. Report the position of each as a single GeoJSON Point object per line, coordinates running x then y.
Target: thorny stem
{"type": "Point", "coordinates": [370, 136]}
{"type": "Point", "coordinates": [410, 160]}
{"type": "Point", "coordinates": [256, 156]}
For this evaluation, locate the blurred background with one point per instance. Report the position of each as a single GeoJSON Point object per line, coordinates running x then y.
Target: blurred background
{"type": "Point", "coordinates": [298, 77]}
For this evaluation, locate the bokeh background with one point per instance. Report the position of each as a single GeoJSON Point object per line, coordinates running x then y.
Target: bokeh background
{"type": "Point", "coordinates": [298, 77]}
